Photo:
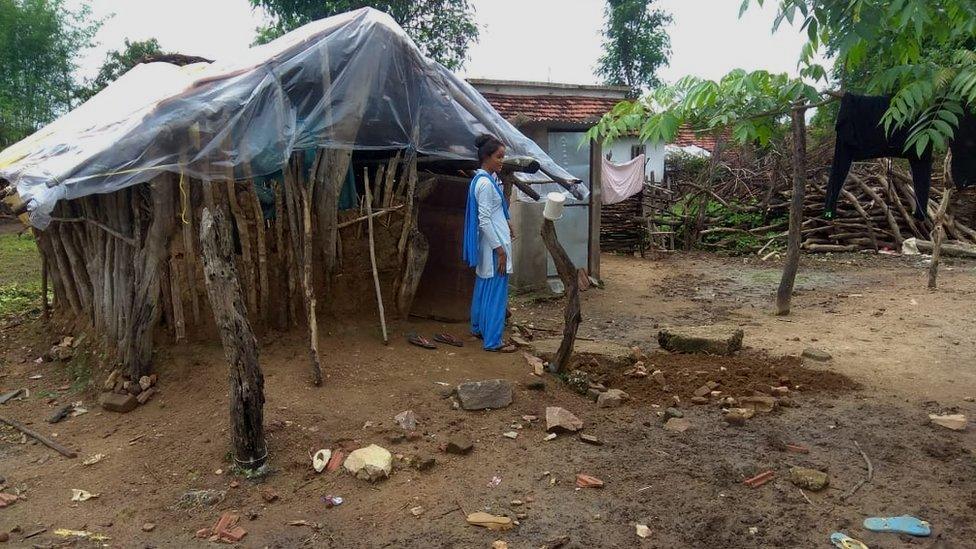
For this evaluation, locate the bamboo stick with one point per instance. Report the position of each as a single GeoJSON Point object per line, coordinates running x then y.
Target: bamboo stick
{"type": "Point", "coordinates": [937, 235]}
{"type": "Point", "coordinates": [372, 255]}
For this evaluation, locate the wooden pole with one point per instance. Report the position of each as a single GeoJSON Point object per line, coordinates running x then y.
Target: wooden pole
{"type": "Point", "coordinates": [40, 438]}
{"type": "Point", "coordinates": [938, 233]}
{"type": "Point", "coordinates": [596, 207]}
{"type": "Point", "coordinates": [240, 345]}
{"type": "Point", "coordinates": [415, 259]}
{"type": "Point", "coordinates": [785, 292]}
{"type": "Point", "coordinates": [45, 310]}
{"type": "Point", "coordinates": [567, 273]}
{"type": "Point", "coordinates": [372, 254]}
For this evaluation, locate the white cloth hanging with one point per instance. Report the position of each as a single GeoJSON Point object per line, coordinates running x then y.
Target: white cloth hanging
{"type": "Point", "coordinates": [622, 181]}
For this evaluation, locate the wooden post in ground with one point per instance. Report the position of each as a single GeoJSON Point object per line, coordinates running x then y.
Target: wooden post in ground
{"type": "Point", "coordinates": [45, 309]}
{"type": "Point", "coordinates": [938, 233]}
{"type": "Point", "coordinates": [596, 207]}
{"type": "Point", "coordinates": [415, 258]}
{"type": "Point", "coordinates": [785, 292]}
{"type": "Point", "coordinates": [567, 273]}
{"type": "Point", "coordinates": [240, 345]}
{"type": "Point", "coordinates": [372, 253]}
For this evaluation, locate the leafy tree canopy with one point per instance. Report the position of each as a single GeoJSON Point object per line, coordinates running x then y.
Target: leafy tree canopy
{"type": "Point", "coordinates": [635, 44]}
{"type": "Point", "coordinates": [443, 29]}
{"type": "Point", "coordinates": [40, 41]}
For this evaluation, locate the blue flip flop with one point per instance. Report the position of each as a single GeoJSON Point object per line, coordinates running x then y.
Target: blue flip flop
{"type": "Point", "coordinates": [900, 525]}
{"type": "Point", "coordinates": [843, 541]}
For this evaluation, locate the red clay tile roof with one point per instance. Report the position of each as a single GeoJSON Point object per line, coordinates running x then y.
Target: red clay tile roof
{"type": "Point", "coordinates": [687, 137]}
{"type": "Point", "coordinates": [551, 108]}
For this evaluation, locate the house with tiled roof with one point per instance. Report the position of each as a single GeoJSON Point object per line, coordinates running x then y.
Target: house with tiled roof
{"type": "Point", "coordinates": [556, 116]}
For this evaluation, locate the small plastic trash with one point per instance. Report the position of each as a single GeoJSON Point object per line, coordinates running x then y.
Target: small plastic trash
{"type": "Point", "coordinates": [332, 501]}
{"type": "Point", "coordinates": [843, 541]}
{"type": "Point", "coordinates": [904, 524]}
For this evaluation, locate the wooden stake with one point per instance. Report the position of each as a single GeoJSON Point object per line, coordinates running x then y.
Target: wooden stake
{"type": "Point", "coordinates": [45, 310]}
{"type": "Point", "coordinates": [262, 252]}
{"type": "Point", "coordinates": [240, 345]}
{"type": "Point", "coordinates": [567, 273]}
{"type": "Point", "coordinates": [372, 254]}
{"type": "Point", "coordinates": [176, 289]}
{"type": "Point", "coordinates": [409, 198]}
{"type": "Point", "coordinates": [40, 438]}
{"type": "Point", "coordinates": [785, 292]}
{"type": "Point", "coordinates": [189, 265]}
{"type": "Point", "coordinates": [937, 235]}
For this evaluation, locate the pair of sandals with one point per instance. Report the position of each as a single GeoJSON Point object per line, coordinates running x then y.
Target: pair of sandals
{"type": "Point", "coordinates": [448, 339]}
{"type": "Point", "coordinates": [445, 338]}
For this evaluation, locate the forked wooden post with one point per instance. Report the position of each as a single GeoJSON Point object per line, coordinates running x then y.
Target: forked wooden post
{"type": "Point", "coordinates": [240, 345]}
{"type": "Point", "coordinates": [938, 233]}
{"type": "Point", "coordinates": [785, 292]}
{"type": "Point", "coordinates": [372, 253]}
{"type": "Point", "coordinates": [567, 273]}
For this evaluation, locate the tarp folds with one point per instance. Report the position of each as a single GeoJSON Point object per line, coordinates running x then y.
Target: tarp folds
{"type": "Point", "coordinates": [353, 81]}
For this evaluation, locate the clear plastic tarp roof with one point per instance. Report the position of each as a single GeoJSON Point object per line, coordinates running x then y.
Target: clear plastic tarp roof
{"type": "Point", "coordinates": [355, 80]}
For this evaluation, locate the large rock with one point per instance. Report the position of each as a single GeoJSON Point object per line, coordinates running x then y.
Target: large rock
{"type": "Point", "coordinates": [483, 395]}
{"type": "Point", "coordinates": [560, 419]}
{"type": "Point", "coordinates": [371, 463]}
{"type": "Point", "coordinates": [611, 398]}
{"type": "Point", "coordinates": [121, 403]}
{"type": "Point", "coordinates": [714, 340]}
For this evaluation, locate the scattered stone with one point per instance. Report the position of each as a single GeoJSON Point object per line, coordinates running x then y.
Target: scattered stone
{"type": "Point", "coordinates": [537, 364]}
{"type": "Point", "coordinates": [407, 420]}
{"type": "Point", "coordinates": [699, 400]}
{"type": "Point", "coordinates": [550, 436]}
{"type": "Point", "coordinates": [530, 419]}
{"type": "Point", "coordinates": [516, 502]}
{"type": "Point", "coordinates": [677, 425]}
{"type": "Point", "coordinates": [560, 419]}
{"type": "Point", "coordinates": [811, 479]}
{"type": "Point", "coordinates": [612, 398]}
{"type": "Point", "coordinates": [491, 394]}
{"type": "Point", "coordinates": [146, 395]}
{"type": "Point", "coordinates": [956, 422]}
{"type": "Point", "coordinates": [92, 460]}
{"type": "Point", "coordinates": [491, 522]}
{"type": "Point", "coordinates": [196, 498]}
{"type": "Point", "coordinates": [269, 495]}
{"type": "Point", "coordinates": [758, 403]}
{"type": "Point", "coordinates": [82, 495]}
{"type": "Point", "coordinates": [110, 380]}
{"type": "Point", "coordinates": [636, 354]}
{"type": "Point", "coordinates": [7, 499]}
{"type": "Point", "coordinates": [658, 376]}
{"type": "Point", "coordinates": [371, 463]}
{"type": "Point", "coordinates": [593, 394]}
{"type": "Point", "coordinates": [226, 529]}
{"type": "Point", "coordinates": [458, 444]}
{"type": "Point", "coordinates": [555, 543]}
{"type": "Point", "coordinates": [676, 400]}
{"type": "Point", "coordinates": [417, 511]}
{"type": "Point", "coordinates": [639, 370]}
{"type": "Point", "coordinates": [445, 392]}
{"type": "Point", "coordinates": [510, 434]}
{"type": "Point", "coordinates": [816, 354]}
{"type": "Point", "coordinates": [132, 387]}
{"type": "Point", "coordinates": [145, 382]}
{"type": "Point", "coordinates": [780, 391]}
{"type": "Point", "coordinates": [4, 537]}
{"type": "Point", "coordinates": [673, 412]}
{"type": "Point", "coordinates": [702, 391]}
{"type": "Point", "coordinates": [423, 463]}
{"type": "Point", "coordinates": [148, 527]}
{"type": "Point", "coordinates": [499, 544]}
{"type": "Point", "coordinates": [587, 481]}
{"type": "Point", "coordinates": [115, 402]}
{"type": "Point", "coordinates": [643, 531]}
{"type": "Point", "coordinates": [738, 416]}
{"type": "Point", "coordinates": [590, 439]}
{"type": "Point", "coordinates": [714, 340]}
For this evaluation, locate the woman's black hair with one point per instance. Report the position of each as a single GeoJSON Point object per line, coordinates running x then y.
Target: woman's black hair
{"type": "Point", "coordinates": [487, 145]}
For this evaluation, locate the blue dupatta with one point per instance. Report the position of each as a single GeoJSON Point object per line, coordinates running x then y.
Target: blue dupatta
{"type": "Point", "coordinates": [469, 247]}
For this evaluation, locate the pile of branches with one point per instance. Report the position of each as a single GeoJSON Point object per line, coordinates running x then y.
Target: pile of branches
{"type": "Point", "coordinates": [743, 204]}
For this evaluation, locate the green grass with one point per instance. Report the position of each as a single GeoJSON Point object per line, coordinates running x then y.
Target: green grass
{"type": "Point", "coordinates": [20, 274]}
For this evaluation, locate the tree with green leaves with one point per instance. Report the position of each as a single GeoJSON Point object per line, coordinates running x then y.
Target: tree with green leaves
{"type": "Point", "coordinates": [118, 62]}
{"type": "Point", "coordinates": [40, 41]}
{"type": "Point", "coordinates": [443, 29]}
{"type": "Point", "coordinates": [635, 44]}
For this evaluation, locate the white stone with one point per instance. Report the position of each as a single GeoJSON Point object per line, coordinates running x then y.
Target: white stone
{"type": "Point", "coordinates": [643, 531]}
{"type": "Point", "coordinates": [371, 463]}
{"type": "Point", "coordinates": [321, 459]}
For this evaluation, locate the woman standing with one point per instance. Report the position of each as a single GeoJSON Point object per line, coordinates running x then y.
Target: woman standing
{"type": "Point", "coordinates": [488, 246]}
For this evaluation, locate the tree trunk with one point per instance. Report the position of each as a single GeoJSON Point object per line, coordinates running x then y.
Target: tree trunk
{"type": "Point", "coordinates": [567, 273]}
{"type": "Point", "coordinates": [785, 292]}
{"type": "Point", "coordinates": [240, 345]}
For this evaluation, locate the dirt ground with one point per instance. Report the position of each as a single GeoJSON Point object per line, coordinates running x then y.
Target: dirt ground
{"type": "Point", "coordinates": [900, 352]}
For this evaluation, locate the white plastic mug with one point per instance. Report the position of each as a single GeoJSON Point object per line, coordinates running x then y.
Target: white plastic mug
{"type": "Point", "coordinates": [554, 206]}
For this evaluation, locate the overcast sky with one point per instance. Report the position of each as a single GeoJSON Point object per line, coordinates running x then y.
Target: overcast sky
{"type": "Point", "coordinates": [547, 40]}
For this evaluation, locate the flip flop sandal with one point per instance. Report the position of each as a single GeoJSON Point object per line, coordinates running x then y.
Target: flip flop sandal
{"type": "Point", "coordinates": [904, 524]}
{"type": "Point", "coordinates": [843, 541]}
{"type": "Point", "coordinates": [509, 348]}
{"type": "Point", "coordinates": [420, 341]}
{"type": "Point", "coordinates": [448, 339]}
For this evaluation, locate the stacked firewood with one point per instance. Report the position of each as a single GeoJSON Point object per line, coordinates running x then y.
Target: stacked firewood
{"type": "Point", "coordinates": [874, 211]}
